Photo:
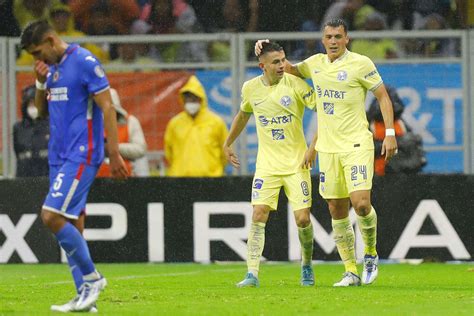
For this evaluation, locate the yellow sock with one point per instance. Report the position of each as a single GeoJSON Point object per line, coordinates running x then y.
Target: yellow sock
{"type": "Point", "coordinates": [344, 238]}
{"type": "Point", "coordinates": [305, 235]}
{"type": "Point", "coordinates": [255, 244]}
{"type": "Point", "coordinates": [368, 229]}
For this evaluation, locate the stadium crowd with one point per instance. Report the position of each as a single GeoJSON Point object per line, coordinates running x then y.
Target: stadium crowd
{"type": "Point", "coordinates": [123, 17]}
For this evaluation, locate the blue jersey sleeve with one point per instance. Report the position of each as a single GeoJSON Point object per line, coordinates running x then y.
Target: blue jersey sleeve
{"type": "Point", "coordinates": [93, 75]}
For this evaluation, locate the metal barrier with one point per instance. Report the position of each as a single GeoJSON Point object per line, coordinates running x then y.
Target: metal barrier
{"type": "Point", "coordinates": [4, 105]}
{"type": "Point", "coordinates": [238, 68]}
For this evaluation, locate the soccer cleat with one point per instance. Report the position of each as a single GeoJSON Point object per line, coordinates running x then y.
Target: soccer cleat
{"type": "Point", "coordinates": [307, 275]}
{"type": "Point", "coordinates": [89, 294]}
{"type": "Point", "coordinates": [249, 281]}
{"type": "Point", "coordinates": [348, 279]}
{"type": "Point", "coordinates": [371, 270]}
{"type": "Point", "coordinates": [70, 306]}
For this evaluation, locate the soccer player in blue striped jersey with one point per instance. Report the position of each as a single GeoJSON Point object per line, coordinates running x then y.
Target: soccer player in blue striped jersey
{"type": "Point", "coordinates": [73, 87]}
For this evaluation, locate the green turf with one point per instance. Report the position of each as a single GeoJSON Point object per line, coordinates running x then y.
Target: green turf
{"type": "Point", "coordinates": [192, 289]}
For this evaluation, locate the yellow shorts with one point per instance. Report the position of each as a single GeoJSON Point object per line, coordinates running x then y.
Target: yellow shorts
{"type": "Point", "coordinates": [343, 173]}
{"type": "Point", "coordinates": [297, 186]}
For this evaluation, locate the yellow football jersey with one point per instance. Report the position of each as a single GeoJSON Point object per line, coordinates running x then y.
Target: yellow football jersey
{"type": "Point", "coordinates": [341, 88]}
{"type": "Point", "coordinates": [278, 111]}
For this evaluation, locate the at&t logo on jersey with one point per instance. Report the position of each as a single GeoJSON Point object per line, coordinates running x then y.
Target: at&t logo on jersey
{"type": "Point", "coordinates": [328, 108]}
{"type": "Point", "coordinates": [329, 93]}
{"type": "Point", "coordinates": [283, 119]}
{"type": "Point", "coordinates": [285, 101]}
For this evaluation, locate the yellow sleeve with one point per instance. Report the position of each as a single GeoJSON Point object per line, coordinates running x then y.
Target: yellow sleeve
{"type": "Point", "coordinates": [304, 67]}
{"type": "Point", "coordinates": [305, 93]}
{"type": "Point", "coordinates": [369, 77]}
{"type": "Point", "coordinates": [168, 143]}
{"type": "Point", "coordinates": [245, 105]}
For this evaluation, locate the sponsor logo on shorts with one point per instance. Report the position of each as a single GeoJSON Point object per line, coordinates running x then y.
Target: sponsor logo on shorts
{"type": "Point", "coordinates": [359, 183]}
{"type": "Point", "coordinates": [304, 188]}
{"type": "Point", "coordinates": [278, 134]}
{"type": "Point", "coordinates": [255, 195]}
{"type": "Point", "coordinates": [306, 201]}
{"type": "Point", "coordinates": [56, 194]}
{"type": "Point", "coordinates": [322, 177]}
{"type": "Point", "coordinates": [257, 184]}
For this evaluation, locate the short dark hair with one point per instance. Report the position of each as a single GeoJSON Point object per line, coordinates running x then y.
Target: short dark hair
{"type": "Point", "coordinates": [34, 33]}
{"type": "Point", "coordinates": [268, 47]}
{"type": "Point", "coordinates": [336, 22]}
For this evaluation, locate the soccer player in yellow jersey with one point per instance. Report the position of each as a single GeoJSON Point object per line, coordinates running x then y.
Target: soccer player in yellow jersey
{"type": "Point", "coordinates": [345, 144]}
{"type": "Point", "coordinates": [277, 99]}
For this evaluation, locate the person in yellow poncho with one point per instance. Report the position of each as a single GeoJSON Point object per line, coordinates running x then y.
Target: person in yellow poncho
{"type": "Point", "coordinates": [195, 136]}
{"type": "Point", "coordinates": [61, 19]}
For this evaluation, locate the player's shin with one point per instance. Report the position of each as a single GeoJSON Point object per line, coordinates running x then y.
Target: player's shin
{"type": "Point", "coordinates": [305, 235]}
{"type": "Point", "coordinates": [344, 238]}
{"type": "Point", "coordinates": [255, 244]}
{"type": "Point", "coordinates": [368, 230]}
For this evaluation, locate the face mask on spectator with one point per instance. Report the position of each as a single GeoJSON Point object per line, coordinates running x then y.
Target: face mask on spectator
{"type": "Point", "coordinates": [32, 112]}
{"type": "Point", "coordinates": [192, 107]}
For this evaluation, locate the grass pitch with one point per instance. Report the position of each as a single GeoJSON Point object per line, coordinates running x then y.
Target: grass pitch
{"type": "Point", "coordinates": [193, 289]}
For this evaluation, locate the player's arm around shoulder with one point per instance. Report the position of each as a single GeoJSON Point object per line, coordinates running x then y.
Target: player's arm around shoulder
{"type": "Point", "coordinates": [117, 165]}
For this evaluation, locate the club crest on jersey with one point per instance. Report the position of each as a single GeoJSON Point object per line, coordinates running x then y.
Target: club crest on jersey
{"type": "Point", "coordinates": [342, 75]}
{"type": "Point", "coordinates": [55, 76]}
{"type": "Point", "coordinates": [99, 71]}
{"type": "Point", "coordinates": [285, 101]}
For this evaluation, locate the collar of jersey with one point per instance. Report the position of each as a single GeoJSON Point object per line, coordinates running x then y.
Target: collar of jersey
{"type": "Point", "coordinates": [71, 48]}
{"type": "Point", "coordinates": [340, 58]}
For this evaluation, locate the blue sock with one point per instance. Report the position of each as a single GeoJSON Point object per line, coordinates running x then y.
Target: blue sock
{"type": "Point", "coordinates": [75, 246]}
{"type": "Point", "coordinates": [76, 273]}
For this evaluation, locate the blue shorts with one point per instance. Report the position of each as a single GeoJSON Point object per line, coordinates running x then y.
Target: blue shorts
{"type": "Point", "coordinates": [69, 185]}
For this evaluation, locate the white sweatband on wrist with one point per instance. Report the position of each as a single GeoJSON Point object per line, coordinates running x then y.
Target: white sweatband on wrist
{"type": "Point", "coordinates": [390, 132]}
{"type": "Point", "coordinates": [40, 86]}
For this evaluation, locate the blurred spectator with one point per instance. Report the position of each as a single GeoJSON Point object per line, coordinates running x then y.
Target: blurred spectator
{"type": "Point", "coordinates": [423, 8]}
{"type": "Point", "coordinates": [194, 137]}
{"type": "Point", "coordinates": [61, 20]}
{"type": "Point", "coordinates": [236, 16]}
{"type": "Point", "coordinates": [436, 47]}
{"type": "Point", "coordinates": [104, 17]}
{"type": "Point", "coordinates": [375, 48]}
{"type": "Point", "coordinates": [26, 11]}
{"type": "Point", "coordinates": [30, 138]}
{"type": "Point", "coordinates": [411, 156]}
{"type": "Point", "coordinates": [132, 144]}
{"type": "Point", "coordinates": [8, 24]}
{"type": "Point", "coordinates": [308, 47]}
{"type": "Point", "coordinates": [174, 17]}
{"type": "Point", "coordinates": [354, 12]}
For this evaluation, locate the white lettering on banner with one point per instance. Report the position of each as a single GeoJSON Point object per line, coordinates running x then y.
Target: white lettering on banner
{"type": "Point", "coordinates": [117, 229]}
{"type": "Point", "coordinates": [448, 98]}
{"type": "Point", "coordinates": [231, 236]}
{"type": "Point", "coordinates": [447, 236]}
{"type": "Point", "coordinates": [419, 125]}
{"type": "Point", "coordinates": [323, 239]}
{"type": "Point", "coordinates": [15, 238]}
{"type": "Point", "coordinates": [156, 232]}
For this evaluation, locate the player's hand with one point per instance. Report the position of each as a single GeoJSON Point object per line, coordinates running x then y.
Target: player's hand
{"type": "Point", "coordinates": [389, 147]}
{"type": "Point", "coordinates": [41, 70]}
{"type": "Point", "coordinates": [117, 167]}
{"type": "Point", "coordinates": [231, 157]}
{"type": "Point", "coordinates": [258, 46]}
{"type": "Point", "coordinates": [309, 158]}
